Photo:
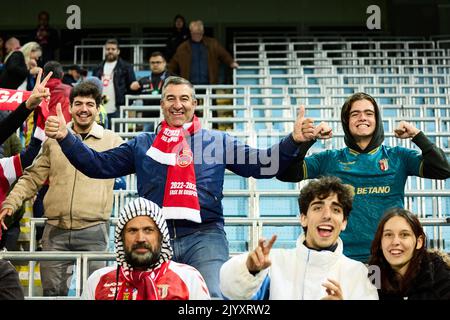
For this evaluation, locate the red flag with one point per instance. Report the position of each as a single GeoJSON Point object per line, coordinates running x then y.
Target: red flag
{"type": "Point", "coordinates": [11, 99]}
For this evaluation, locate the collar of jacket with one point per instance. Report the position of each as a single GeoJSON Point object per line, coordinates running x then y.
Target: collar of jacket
{"type": "Point", "coordinates": [97, 131]}
{"type": "Point", "coordinates": [322, 258]}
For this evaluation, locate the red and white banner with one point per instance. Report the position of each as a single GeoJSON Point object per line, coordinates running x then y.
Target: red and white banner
{"type": "Point", "coordinates": [11, 99]}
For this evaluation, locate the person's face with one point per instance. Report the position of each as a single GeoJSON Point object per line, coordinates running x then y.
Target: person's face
{"type": "Point", "coordinates": [398, 243]}
{"type": "Point", "coordinates": [142, 242]}
{"type": "Point", "coordinates": [35, 54]}
{"type": "Point", "coordinates": [75, 74]}
{"type": "Point", "coordinates": [196, 34]}
{"type": "Point", "coordinates": [325, 221]}
{"type": "Point", "coordinates": [179, 23]}
{"type": "Point", "coordinates": [177, 105]}
{"type": "Point", "coordinates": [43, 19]}
{"type": "Point", "coordinates": [84, 112]}
{"type": "Point", "coordinates": [111, 52]}
{"type": "Point", "coordinates": [157, 64]}
{"type": "Point", "coordinates": [362, 120]}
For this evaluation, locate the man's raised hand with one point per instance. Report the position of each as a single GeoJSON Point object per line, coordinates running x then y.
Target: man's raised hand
{"type": "Point", "coordinates": [55, 126]}
{"type": "Point", "coordinates": [39, 91]}
{"type": "Point", "coordinates": [405, 130]}
{"type": "Point", "coordinates": [258, 259]}
{"type": "Point", "coordinates": [304, 129]}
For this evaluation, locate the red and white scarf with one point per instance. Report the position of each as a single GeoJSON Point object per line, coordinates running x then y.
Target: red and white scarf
{"type": "Point", "coordinates": [180, 194]}
{"type": "Point", "coordinates": [140, 285]}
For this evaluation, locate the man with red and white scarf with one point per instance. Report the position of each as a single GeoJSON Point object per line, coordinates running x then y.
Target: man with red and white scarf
{"type": "Point", "coordinates": [144, 270]}
{"type": "Point", "coordinates": [182, 168]}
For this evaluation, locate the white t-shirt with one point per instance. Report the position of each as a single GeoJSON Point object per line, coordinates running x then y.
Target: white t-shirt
{"type": "Point", "coordinates": [108, 86]}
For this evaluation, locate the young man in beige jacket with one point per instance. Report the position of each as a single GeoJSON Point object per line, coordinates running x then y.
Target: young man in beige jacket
{"type": "Point", "coordinates": [77, 208]}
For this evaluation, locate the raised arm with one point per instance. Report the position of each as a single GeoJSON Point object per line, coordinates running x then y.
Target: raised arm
{"type": "Point", "coordinates": [435, 164]}
{"type": "Point", "coordinates": [15, 119]}
{"type": "Point", "coordinates": [305, 131]}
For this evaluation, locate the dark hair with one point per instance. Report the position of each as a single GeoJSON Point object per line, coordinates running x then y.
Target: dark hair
{"type": "Point", "coordinates": [74, 67]}
{"type": "Point", "coordinates": [321, 188]}
{"type": "Point", "coordinates": [112, 41]}
{"type": "Point", "coordinates": [177, 81]}
{"type": "Point", "coordinates": [157, 54]}
{"type": "Point", "coordinates": [391, 281]}
{"type": "Point", "coordinates": [345, 112]}
{"type": "Point", "coordinates": [86, 89]}
{"type": "Point", "coordinates": [179, 16]}
{"type": "Point", "coordinates": [44, 13]}
{"type": "Point", "coordinates": [55, 67]}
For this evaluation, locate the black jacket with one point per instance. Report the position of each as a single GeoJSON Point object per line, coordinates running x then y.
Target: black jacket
{"type": "Point", "coordinates": [10, 287]}
{"type": "Point", "coordinates": [123, 77]}
{"type": "Point", "coordinates": [432, 282]}
{"type": "Point", "coordinates": [13, 121]}
{"type": "Point", "coordinates": [14, 71]}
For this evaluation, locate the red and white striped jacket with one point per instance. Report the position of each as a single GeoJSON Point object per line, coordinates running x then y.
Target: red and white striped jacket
{"type": "Point", "coordinates": [179, 282]}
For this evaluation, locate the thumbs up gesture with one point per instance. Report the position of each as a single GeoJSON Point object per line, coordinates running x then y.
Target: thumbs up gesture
{"type": "Point", "coordinates": [304, 129]}
{"type": "Point", "coordinates": [55, 126]}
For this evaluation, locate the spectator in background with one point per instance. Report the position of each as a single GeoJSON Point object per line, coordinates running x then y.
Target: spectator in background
{"type": "Point", "coordinates": [47, 37]}
{"type": "Point", "coordinates": [72, 76]}
{"type": "Point", "coordinates": [117, 76]}
{"type": "Point", "coordinates": [77, 212]}
{"type": "Point", "coordinates": [59, 91]}
{"type": "Point", "coordinates": [2, 52]}
{"type": "Point", "coordinates": [15, 70]}
{"type": "Point", "coordinates": [316, 268]}
{"type": "Point", "coordinates": [408, 270]}
{"type": "Point", "coordinates": [32, 53]}
{"type": "Point", "coordinates": [180, 33]}
{"type": "Point", "coordinates": [199, 59]}
{"type": "Point", "coordinates": [152, 85]}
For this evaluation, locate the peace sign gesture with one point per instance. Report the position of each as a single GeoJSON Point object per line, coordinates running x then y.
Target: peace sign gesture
{"type": "Point", "coordinates": [258, 259]}
{"type": "Point", "coordinates": [39, 91]}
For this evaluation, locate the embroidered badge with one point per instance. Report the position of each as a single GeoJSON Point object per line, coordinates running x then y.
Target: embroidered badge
{"type": "Point", "coordinates": [384, 165]}
{"type": "Point", "coordinates": [163, 290]}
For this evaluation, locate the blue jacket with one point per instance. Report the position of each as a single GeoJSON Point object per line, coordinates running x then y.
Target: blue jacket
{"type": "Point", "coordinates": [214, 151]}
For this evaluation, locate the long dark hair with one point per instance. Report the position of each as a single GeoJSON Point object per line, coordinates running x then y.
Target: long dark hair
{"type": "Point", "coordinates": [391, 281]}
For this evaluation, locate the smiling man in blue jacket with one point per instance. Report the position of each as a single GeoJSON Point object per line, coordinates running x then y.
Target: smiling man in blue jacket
{"type": "Point", "coordinates": [182, 167]}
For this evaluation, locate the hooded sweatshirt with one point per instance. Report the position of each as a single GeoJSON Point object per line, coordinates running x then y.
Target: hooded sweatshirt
{"type": "Point", "coordinates": [164, 280]}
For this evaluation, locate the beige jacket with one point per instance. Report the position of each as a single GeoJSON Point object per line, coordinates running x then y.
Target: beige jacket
{"type": "Point", "coordinates": [73, 201]}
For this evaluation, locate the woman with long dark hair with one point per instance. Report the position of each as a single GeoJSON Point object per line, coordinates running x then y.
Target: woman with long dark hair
{"type": "Point", "coordinates": [408, 269]}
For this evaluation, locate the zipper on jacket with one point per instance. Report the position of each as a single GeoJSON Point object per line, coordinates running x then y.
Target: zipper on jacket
{"type": "Point", "coordinates": [71, 199]}
{"type": "Point", "coordinates": [304, 274]}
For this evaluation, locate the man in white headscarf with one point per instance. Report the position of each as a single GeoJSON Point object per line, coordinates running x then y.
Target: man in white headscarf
{"type": "Point", "coordinates": [144, 268]}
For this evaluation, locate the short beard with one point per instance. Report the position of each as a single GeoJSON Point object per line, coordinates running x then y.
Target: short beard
{"type": "Point", "coordinates": [142, 261]}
